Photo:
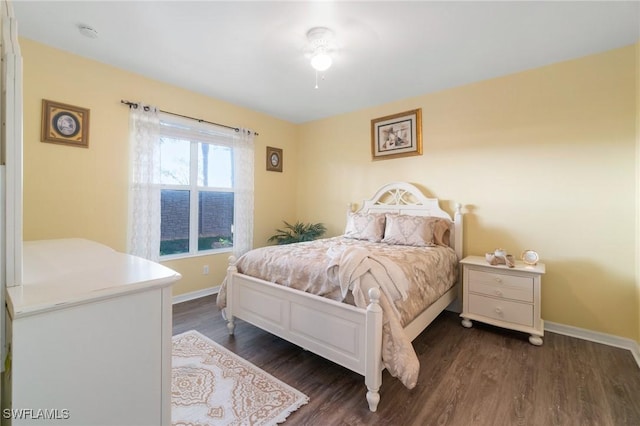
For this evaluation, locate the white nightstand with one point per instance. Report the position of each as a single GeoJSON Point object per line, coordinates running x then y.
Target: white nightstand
{"type": "Point", "coordinates": [503, 296]}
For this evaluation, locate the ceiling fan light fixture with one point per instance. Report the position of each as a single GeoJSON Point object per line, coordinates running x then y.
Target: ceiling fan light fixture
{"type": "Point", "coordinates": [321, 60]}
{"type": "Point", "coordinates": [319, 47]}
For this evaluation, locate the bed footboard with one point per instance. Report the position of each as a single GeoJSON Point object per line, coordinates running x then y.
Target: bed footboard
{"type": "Point", "coordinates": [344, 334]}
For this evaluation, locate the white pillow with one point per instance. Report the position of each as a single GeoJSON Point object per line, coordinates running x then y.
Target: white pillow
{"type": "Point", "coordinates": [365, 226]}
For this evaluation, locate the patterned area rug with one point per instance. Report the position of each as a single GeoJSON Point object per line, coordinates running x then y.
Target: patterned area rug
{"type": "Point", "coordinates": [213, 386]}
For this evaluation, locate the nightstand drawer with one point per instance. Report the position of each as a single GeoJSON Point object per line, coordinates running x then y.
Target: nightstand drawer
{"type": "Point", "coordinates": [501, 285]}
{"type": "Point", "coordinates": [503, 310]}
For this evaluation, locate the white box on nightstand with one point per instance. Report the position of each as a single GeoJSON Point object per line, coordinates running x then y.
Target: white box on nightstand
{"type": "Point", "coordinates": [503, 296]}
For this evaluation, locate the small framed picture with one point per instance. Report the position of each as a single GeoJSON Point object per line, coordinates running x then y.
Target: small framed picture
{"type": "Point", "coordinates": [397, 135]}
{"type": "Point", "coordinates": [65, 124]}
{"type": "Point", "coordinates": [274, 159]}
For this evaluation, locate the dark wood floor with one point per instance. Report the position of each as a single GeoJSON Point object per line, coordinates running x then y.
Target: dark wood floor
{"type": "Point", "coordinates": [480, 376]}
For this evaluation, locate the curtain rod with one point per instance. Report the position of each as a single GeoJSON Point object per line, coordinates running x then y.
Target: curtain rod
{"type": "Point", "coordinates": [135, 105]}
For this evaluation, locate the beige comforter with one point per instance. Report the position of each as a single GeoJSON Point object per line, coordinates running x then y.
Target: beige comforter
{"type": "Point", "coordinates": [411, 279]}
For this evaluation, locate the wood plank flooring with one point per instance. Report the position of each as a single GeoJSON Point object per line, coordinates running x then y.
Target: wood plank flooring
{"type": "Point", "coordinates": [478, 376]}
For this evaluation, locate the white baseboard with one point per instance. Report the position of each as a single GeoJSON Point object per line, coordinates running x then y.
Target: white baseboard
{"type": "Point", "coordinates": [594, 336]}
{"type": "Point", "coordinates": [195, 294]}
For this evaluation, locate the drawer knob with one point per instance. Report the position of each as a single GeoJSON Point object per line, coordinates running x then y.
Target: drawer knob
{"type": "Point", "coordinates": [498, 279]}
{"type": "Point", "coordinates": [498, 293]}
{"type": "Point", "coordinates": [499, 311]}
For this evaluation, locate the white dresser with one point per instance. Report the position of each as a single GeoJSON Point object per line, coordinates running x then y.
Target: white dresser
{"type": "Point", "coordinates": [503, 296]}
{"type": "Point", "coordinates": [90, 334]}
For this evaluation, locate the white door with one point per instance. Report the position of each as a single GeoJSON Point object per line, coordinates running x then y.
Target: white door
{"type": "Point", "coordinates": [10, 163]}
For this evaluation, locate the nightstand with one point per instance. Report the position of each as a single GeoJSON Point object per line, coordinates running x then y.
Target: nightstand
{"type": "Point", "coordinates": [503, 296]}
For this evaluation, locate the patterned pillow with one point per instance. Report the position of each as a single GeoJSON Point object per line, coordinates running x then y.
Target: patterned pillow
{"type": "Point", "coordinates": [365, 226]}
{"type": "Point", "coordinates": [442, 232]}
{"type": "Point", "coordinates": [416, 230]}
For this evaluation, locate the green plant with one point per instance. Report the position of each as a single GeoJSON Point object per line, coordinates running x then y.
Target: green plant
{"type": "Point", "coordinates": [298, 232]}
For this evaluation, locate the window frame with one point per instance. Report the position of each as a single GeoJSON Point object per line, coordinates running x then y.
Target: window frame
{"type": "Point", "coordinates": [195, 136]}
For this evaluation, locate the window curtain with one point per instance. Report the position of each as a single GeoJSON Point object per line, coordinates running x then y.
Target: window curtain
{"type": "Point", "coordinates": [243, 171]}
{"type": "Point", "coordinates": [144, 195]}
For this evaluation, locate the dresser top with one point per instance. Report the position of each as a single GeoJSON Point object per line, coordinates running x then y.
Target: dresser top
{"type": "Point", "coordinates": [67, 272]}
{"type": "Point", "coordinates": [520, 266]}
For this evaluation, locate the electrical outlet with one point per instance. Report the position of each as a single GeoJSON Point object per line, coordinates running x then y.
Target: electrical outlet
{"type": "Point", "coordinates": [205, 270]}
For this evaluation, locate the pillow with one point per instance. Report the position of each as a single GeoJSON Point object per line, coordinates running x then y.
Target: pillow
{"type": "Point", "coordinates": [365, 226]}
{"type": "Point", "coordinates": [417, 231]}
{"type": "Point", "coordinates": [442, 232]}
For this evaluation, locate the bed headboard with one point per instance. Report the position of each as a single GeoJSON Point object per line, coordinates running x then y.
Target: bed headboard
{"type": "Point", "coordinates": [405, 198]}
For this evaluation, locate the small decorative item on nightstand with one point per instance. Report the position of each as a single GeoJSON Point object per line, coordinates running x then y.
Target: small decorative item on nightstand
{"type": "Point", "coordinates": [530, 257]}
{"type": "Point", "coordinates": [503, 296]}
{"type": "Point", "coordinates": [500, 257]}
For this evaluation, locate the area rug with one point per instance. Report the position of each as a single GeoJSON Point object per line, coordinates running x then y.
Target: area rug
{"type": "Point", "coordinates": [213, 386]}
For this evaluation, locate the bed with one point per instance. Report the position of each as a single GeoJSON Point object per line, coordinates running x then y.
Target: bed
{"type": "Point", "coordinates": [360, 331]}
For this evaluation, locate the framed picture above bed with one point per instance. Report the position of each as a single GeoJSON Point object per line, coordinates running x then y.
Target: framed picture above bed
{"type": "Point", "coordinates": [397, 135]}
{"type": "Point", "coordinates": [65, 124]}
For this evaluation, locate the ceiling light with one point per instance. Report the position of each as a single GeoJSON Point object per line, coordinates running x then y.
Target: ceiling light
{"type": "Point", "coordinates": [87, 31]}
{"type": "Point", "coordinates": [319, 47]}
{"type": "Point", "coordinates": [321, 60]}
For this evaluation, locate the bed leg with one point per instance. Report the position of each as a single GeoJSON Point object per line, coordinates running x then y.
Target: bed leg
{"type": "Point", "coordinates": [231, 270]}
{"type": "Point", "coordinates": [373, 375]}
{"type": "Point", "coordinates": [373, 398]}
{"type": "Point", "coordinates": [231, 326]}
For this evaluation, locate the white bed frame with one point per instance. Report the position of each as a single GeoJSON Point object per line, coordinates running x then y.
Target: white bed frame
{"type": "Point", "coordinates": [342, 333]}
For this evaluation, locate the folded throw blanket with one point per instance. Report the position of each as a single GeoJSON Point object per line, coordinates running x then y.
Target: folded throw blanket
{"type": "Point", "coordinates": [347, 265]}
{"type": "Point", "coordinates": [356, 269]}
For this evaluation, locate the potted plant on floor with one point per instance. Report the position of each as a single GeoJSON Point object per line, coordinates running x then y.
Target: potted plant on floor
{"type": "Point", "coordinates": [298, 232]}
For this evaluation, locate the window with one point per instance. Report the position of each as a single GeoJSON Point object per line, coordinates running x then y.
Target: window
{"type": "Point", "coordinates": [196, 189]}
{"type": "Point", "coordinates": [190, 186]}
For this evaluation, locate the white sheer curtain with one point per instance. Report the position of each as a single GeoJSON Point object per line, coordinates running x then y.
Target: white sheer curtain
{"type": "Point", "coordinates": [145, 127]}
{"type": "Point", "coordinates": [144, 193]}
{"type": "Point", "coordinates": [243, 171]}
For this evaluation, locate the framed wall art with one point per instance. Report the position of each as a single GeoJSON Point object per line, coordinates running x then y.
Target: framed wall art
{"type": "Point", "coordinates": [397, 135]}
{"type": "Point", "coordinates": [65, 124]}
{"type": "Point", "coordinates": [274, 159]}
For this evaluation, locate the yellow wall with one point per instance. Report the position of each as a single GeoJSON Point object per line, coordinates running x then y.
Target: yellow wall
{"type": "Point", "coordinates": [638, 181]}
{"type": "Point", "coordinates": [544, 159]}
{"type": "Point", "coordinates": [76, 192]}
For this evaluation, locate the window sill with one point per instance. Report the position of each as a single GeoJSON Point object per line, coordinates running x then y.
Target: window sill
{"type": "Point", "coordinates": [180, 256]}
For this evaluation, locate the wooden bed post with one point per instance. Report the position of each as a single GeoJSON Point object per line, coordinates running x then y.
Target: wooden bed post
{"type": "Point", "coordinates": [231, 269]}
{"type": "Point", "coordinates": [457, 221]}
{"type": "Point", "coordinates": [456, 305]}
{"type": "Point", "coordinates": [373, 351]}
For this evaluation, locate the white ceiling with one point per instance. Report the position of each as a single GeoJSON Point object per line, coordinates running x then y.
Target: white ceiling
{"type": "Point", "coordinates": [251, 53]}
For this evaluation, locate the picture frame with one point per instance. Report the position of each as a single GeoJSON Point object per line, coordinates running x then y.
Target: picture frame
{"type": "Point", "coordinates": [65, 124]}
{"type": "Point", "coordinates": [274, 159]}
{"type": "Point", "coordinates": [397, 135]}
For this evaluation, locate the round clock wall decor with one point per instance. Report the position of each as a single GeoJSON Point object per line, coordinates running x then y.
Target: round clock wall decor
{"type": "Point", "coordinates": [274, 159]}
{"type": "Point", "coordinates": [64, 124]}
